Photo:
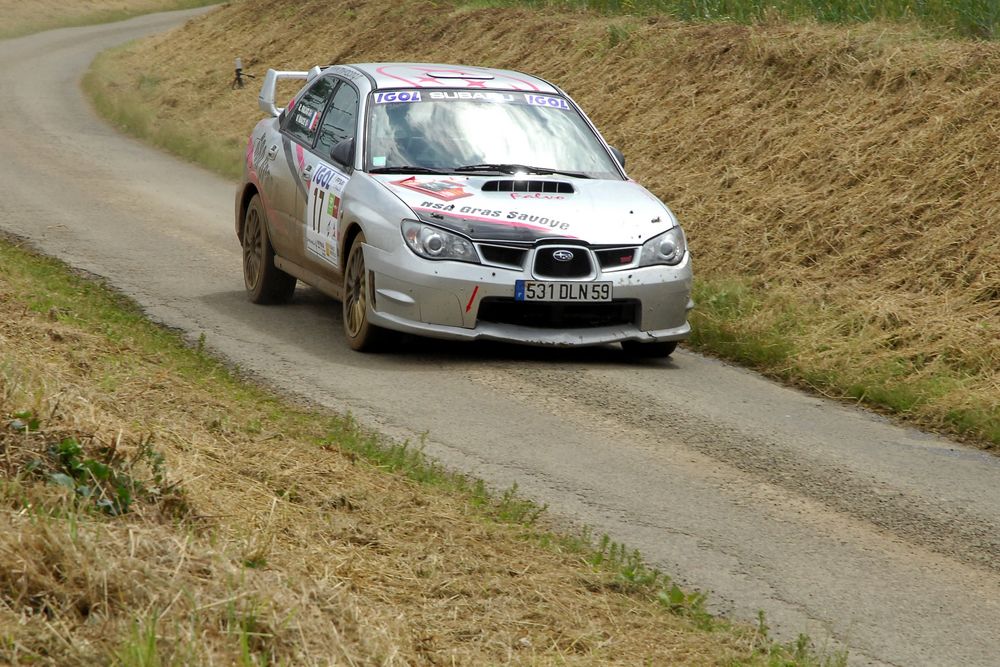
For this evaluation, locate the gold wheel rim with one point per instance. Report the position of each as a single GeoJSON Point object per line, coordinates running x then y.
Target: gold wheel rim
{"type": "Point", "coordinates": [355, 299]}
{"type": "Point", "coordinates": [253, 248]}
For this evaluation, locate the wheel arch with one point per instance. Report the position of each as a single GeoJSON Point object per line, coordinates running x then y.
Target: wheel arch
{"type": "Point", "coordinates": [248, 193]}
{"type": "Point", "coordinates": [351, 233]}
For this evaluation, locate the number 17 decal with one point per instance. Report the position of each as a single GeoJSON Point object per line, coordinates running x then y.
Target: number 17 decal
{"type": "Point", "coordinates": [317, 209]}
{"type": "Point", "coordinates": [324, 209]}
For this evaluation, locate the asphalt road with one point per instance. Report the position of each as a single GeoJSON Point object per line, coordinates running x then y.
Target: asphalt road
{"type": "Point", "coordinates": [832, 520]}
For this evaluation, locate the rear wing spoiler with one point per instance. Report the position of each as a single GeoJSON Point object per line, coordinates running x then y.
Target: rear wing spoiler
{"type": "Point", "coordinates": [266, 98]}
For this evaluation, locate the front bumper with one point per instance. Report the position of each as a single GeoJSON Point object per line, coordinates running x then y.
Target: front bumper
{"type": "Point", "coordinates": [442, 299]}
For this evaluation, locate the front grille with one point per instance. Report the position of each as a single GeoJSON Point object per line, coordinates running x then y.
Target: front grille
{"type": "Point", "coordinates": [545, 187]}
{"type": "Point", "coordinates": [503, 255]}
{"type": "Point", "coordinates": [504, 310]}
{"type": "Point", "coordinates": [616, 258]}
{"type": "Point", "coordinates": [578, 266]}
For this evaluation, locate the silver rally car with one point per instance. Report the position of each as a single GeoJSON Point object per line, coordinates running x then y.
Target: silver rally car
{"type": "Point", "coordinates": [457, 202]}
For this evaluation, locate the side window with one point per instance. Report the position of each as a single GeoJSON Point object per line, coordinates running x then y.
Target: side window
{"type": "Point", "coordinates": [303, 121]}
{"type": "Point", "coordinates": [341, 120]}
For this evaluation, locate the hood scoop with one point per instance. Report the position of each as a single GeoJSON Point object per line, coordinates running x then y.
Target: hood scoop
{"type": "Point", "coordinates": [520, 185]}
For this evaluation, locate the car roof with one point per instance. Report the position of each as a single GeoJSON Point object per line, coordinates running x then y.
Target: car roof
{"type": "Point", "coordinates": [434, 75]}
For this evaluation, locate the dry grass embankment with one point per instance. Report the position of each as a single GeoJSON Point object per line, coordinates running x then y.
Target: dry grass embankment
{"type": "Point", "coordinates": [840, 186]}
{"type": "Point", "coordinates": [979, 19]}
{"type": "Point", "coordinates": [155, 511]}
{"type": "Point", "coordinates": [21, 17]}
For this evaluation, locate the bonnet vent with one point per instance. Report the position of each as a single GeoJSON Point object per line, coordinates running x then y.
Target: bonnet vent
{"type": "Point", "coordinates": [547, 187]}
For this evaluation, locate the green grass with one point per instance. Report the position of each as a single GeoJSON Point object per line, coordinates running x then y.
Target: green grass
{"type": "Point", "coordinates": [141, 649]}
{"type": "Point", "coordinates": [755, 328]}
{"type": "Point", "coordinates": [978, 19]}
{"type": "Point", "coordinates": [127, 109]}
{"type": "Point", "coordinates": [18, 29]}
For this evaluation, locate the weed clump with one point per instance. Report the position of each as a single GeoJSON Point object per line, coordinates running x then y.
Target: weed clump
{"type": "Point", "coordinates": [111, 477]}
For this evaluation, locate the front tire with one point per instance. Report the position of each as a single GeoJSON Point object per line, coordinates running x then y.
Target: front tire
{"type": "Point", "coordinates": [637, 350]}
{"type": "Point", "coordinates": [265, 282]}
{"type": "Point", "coordinates": [361, 334]}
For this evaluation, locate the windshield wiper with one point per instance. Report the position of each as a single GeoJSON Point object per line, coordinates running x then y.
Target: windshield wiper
{"type": "Point", "coordinates": [405, 169]}
{"type": "Point", "coordinates": [516, 168]}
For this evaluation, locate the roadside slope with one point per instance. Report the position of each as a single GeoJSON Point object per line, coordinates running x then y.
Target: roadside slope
{"type": "Point", "coordinates": [839, 185]}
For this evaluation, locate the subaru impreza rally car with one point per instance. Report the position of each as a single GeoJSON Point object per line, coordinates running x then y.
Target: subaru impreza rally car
{"type": "Point", "coordinates": [457, 202]}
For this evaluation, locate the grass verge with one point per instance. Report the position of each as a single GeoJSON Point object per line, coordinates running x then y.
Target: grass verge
{"type": "Point", "coordinates": [774, 332]}
{"type": "Point", "coordinates": [126, 107]}
{"type": "Point", "coordinates": [155, 509]}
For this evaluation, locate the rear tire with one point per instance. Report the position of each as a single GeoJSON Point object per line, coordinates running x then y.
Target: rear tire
{"type": "Point", "coordinates": [361, 334]}
{"type": "Point", "coordinates": [637, 350]}
{"type": "Point", "coordinates": [265, 282]}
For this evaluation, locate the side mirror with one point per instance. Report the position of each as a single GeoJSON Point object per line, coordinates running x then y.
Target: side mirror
{"type": "Point", "coordinates": [281, 118]}
{"type": "Point", "coordinates": [343, 153]}
{"type": "Point", "coordinates": [618, 156]}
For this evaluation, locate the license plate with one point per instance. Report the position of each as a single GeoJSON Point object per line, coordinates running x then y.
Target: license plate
{"type": "Point", "coordinates": [536, 290]}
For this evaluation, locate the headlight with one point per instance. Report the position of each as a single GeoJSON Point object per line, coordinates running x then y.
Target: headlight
{"type": "Point", "coordinates": [434, 243]}
{"type": "Point", "coordinates": [667, 248]}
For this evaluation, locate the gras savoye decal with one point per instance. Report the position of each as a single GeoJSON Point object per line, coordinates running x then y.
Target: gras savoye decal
{"type": "Point", "coordinates": [511, 218]}
{"type": "Point", "coordinates": [447, 191]}
{"type": "Point", "coordinates": [325, 192]}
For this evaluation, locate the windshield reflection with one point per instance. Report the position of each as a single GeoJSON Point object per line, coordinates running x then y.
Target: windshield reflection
{"type": "Point", "coordinates": [450, 130]}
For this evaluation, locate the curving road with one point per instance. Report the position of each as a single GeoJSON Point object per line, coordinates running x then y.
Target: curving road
{"type": "Point", "coordinates": [832, 520]}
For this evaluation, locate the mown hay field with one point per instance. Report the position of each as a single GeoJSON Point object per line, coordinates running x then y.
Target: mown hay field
{"type": "Point", "coordinates": [840, 186]}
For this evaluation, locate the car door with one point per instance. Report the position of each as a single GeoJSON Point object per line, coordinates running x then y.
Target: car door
{"type": "Point", "coordinates": [321, 201]}
{"type": "Point", "coordinates": [299, 129]}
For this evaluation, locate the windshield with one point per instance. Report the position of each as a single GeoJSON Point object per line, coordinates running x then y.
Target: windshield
{"type": "Point", "coordinates": [445, 130]}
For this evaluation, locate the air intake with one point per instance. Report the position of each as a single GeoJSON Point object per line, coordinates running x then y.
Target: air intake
{"type": "Point", "coordinates": [545, 187]}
